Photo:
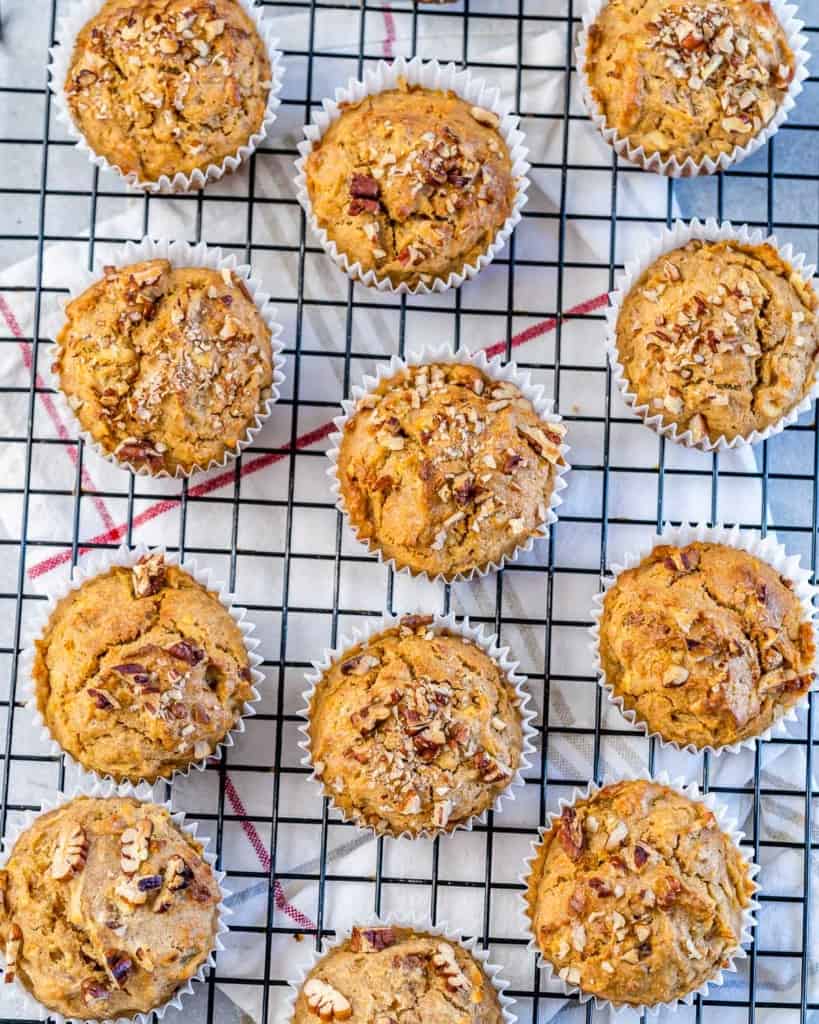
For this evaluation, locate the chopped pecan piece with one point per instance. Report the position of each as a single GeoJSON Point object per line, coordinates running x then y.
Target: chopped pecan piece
{"type": "Point", "coordinates": [186, 651]}
{"type": "Point", "coordinates": [490, 768]}
{"type": "Point", "coordinates": [601, 888]}
{"type": "Point", "coordinates": [93, 992]}
{"type": "Point", "coordinates": [14, 941]}
{"type": "Point", "coordinates": [177, 873]}
{"type": "Point", "coordinates": [372, 940]}
{"type": "Point", "coordinates": [545, 442]}
{"type": "Point", "coordinates": [140, 452]}
{"type": "Point", "coordinates": [415, 621]}
{"type": "Point", "coordinates": [119, 966]}
{"type": "Point", "coordinates": [69, 853]}
{"type": "Point", "coordinates": [358, 206]}
{"type": "Point", "coordinates": [359, 665]}
{"type": "Point", "coordinates": [369, 718]}
{"type": "Point", "coordinates": [463, 488]}
{"type": "Point", "coordinates": [133, 845]}
{"type": "Point", "coordinates": [102, 698]}
{"type": "Point", "coordinates": [640, 856]}
{"type": "Point", "coordinates": [670, 890]}
{"type": "Point", "coordinates": [446, 964]}
{"type": "Point", "coordinates": [485, 117]}
{"type": "Point", "coordinates": [148, 575]}
{"type": "Point", "coordinates": [364, 186]}
{"type": "Point", "coordinates": [326, 1002]}
{"type": "Point", "coordinates": [570, 833]}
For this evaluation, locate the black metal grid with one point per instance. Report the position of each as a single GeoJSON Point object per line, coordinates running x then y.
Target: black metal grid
{"type": "Point", "coordinates": [259, 529]}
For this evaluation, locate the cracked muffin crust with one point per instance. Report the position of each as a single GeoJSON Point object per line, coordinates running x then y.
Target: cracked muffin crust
{"type": "Point", "coordinates": [692, 79]}
{"type": "Point", "coordinates": [166, 86]}
{"type": "Point", "coordinates": [415, 730]}
{"type": "Point", "coordinates": [107, 908]}
{"type": "Point", "coordinates": [636, 895]}
{"type": "Point", "coordinates": [708, 644]}
{"type": "Point", "coordinates": [386, 974]}
{"type": "Point", "coordinates": [446, 470]}
{"type": "Point", "coordinates": [412, 183]}
{"type": "Point", "coordinates": [141, 671]}
{"type": "Point", "coordinates": [719, 338]}
{"type": "Point", "coordinates": [166, 367]}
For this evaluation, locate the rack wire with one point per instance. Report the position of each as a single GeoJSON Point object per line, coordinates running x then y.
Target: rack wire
{"type": "Point", "coordinates": [268, 524]}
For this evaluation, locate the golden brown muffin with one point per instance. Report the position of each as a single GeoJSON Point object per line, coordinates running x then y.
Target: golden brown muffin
{"type": "Point", "coordinates": [636, 895]}
{"type": "Point", "coordinates": [141, 671]}
{"type": "Point", "coordinates": [707, 644]}
{"type": "Point", "coordinates": [163, 86]}
{"type": "Point", "coordinates": [166, 367]}
{"type": "Point", "coordinates": [412, 183]}
{"type": "Point", "coordinates": [384, 974]}
{"type": "Point", "coordinates": [691, 79]}
{"type": "Point", "coordinates": [415, 730]}
{"type": "Point", "coordinates": [719, 338]}
{"type": "Point", "coordinates": [445, 470]}
{"type": "Point", "coordinates": [107, 908]}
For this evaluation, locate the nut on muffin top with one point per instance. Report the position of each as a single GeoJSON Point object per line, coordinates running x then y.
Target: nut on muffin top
{"type": "Point", "coordinates": [166, 367]}
{"type": "Point", "coordinates": [692, 79]}
{"type": "Point", "coordinates": [445, 470]}
{"type": "Point", "coordinates": [166, 86]}
{"type": "Point", "coordinates": [141, 671]}
{"type": "Point", "coordinates": [383, 974]}
{"type": "Point", "coordinates": [416, 729]}
{"type": "Point", "coordinates": [412, 183]}
{"type": "Point", "coordinates": [107, 908]}
{"type": "Point", "coordinates": [708, 644]}
{"type": "Point", "coordinates": [636, 895]}
{"type": "Point", "coordinates": [720, 338]}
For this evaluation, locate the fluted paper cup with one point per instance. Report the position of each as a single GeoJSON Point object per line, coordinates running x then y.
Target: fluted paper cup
{"type": "Point", "coordinates": [728, 826]}
{"type": "Point", "coordinates": [669, 239]}
{"type": "Point", "coordinates": [70, 25]}
{"type": "Point", "coordinates": [431, 75]}
{"type": "Point", "coordinates": [498, 371]}
{"type": "Point", "coordinates": [180, 254]}
{"type": "Point", "coordinates": [440, 623]}
{"type": "Point", "coordinates": [766, 549]}
{"type": "Point", "coordinates": [97, 564]}
{"type": "Point", "coordinates": [22, 1001]}
{"type": "Point", "coordinates": [672, 166]}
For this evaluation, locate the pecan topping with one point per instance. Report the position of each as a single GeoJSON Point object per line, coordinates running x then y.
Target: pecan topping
{"type": "Point", "coordinates": [372, 940]}
{"type": "Point", "coordinates": [416, 621]}
{"type": "Point", "coordinates": [669, 893]}
{"type": "Point", "coordinates": [359, 665]}
{"type": "Point", "coordinates": [485, 117]}
{"type": "Point", "coordinates": [326, 1002]}
{"type": "Point", "coordinates": [69, 853]}
{"type": "Point", "coordinates": [446, 964]}
{"type": "Point", "coordinates": [177, 873]}
{"type": "Point", "coordinates": [148, 574]}
{"type": "Point", "coordinates": [13, 943]}
{"type": "Point", "coordinates": [186, 651]}
{"type": "Point", "coordinates": [369, 718]}
{"type": "Point", "coordinates": [603, 889]}
{"type": "Point", "coordinates": [102, 698]}
{"type": "Point", "coordinates": [119, 966]}
{"type": "Point", "coordinates": [93, 991]}
{"type": "Point", "coordinates": [640, 856]}
{"type": "Point", "coordinates": [570, 833]}
{"type": "Point", "coordinates": [545, 442]}
{"type": "Point", "coordinates": [364, 206]}
{"type": "Point", "coordinates": [490, 768]}
{"type": "Point", "coordinates": [463, 488]}
{"type": "Point", "coordinates": [134, 846]}
{"type": "Point", "coordinates": [362, 186]}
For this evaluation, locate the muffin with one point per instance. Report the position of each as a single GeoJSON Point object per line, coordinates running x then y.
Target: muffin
{"type": "Point", "coordinates": [411, 183]}
{"type": "Point", "coordinates": [107, 908]}
{"type": "Point", "coordinates": [141, 671]}
{"type": "Point", "coordinates": [159, 87]}
{"type": "Point", "coordinates": [415, 730]}
{"type": "Point", "coordinates": [166, 367]}
{"type": "Point", "coordinates": [706, 643]}
{"type": "Point", "coordinates": [637, 896]}
{"type": "Point", "coordinates": [445, 470]}
{"type": "Point", "coordinates": [693, 79]}
{"type": "Point", "coordinates": [387, 973]}
{"type": "Point", "coordinates": [719, 339]}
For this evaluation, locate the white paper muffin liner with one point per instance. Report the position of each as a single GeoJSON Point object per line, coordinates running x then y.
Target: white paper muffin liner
{"type": "Point", "coordinates": [678, 235]}
{"type": "Point", "coordinates": [498, 371]}
{"type": "Point", "coordinates": [97, 563]}
{"type": "Point", "coordinates": [420, 924]}
{"type": "Point", "coordinates": [69, 26]}
{"type": "Point", "coordinates": [440, 623]}
{"type": "Point", "coordinates": [729, 827]}
{"type": "Point", "coordinates": [179, 254]}
{"type": "Point", "coordinates": [767, 549]}
{"type": "Point", "coordinates": [687, 168]}
{"type": "Point", "coordinates": [24, 1002]}
{"type": "Point", "coordinates": [431, 75]}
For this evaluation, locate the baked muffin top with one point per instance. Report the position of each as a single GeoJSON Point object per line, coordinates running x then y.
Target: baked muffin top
{"type": "Point", "coordinates": [383, 974]}
{"type": "Point", "coordinates": [691, 79]}
{"type": "Point", "coordinates": [415, 730]}
{"type": "Point", "coordinates": [141, 671]}
{"type": "Point", "coordinates": [163, 86]}
{"type": "Point", "coordinates": [107, 908]}
{"type": "Point", "coordinates": [166, 367]}
{"type": "Point", "coordinates": [445, 469]}
{"type": "Point", "coordinates": [706, 643]}
{"type": "Point", "coordinates": [412, 183]}
{"type": "Point", "coordinates": [636, 895]}
{"type": "Point", "coordinates": [719, 338]}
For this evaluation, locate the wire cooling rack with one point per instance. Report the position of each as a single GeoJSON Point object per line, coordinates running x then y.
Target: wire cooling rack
{"type": "Point", "coordinates": [268, 526]}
